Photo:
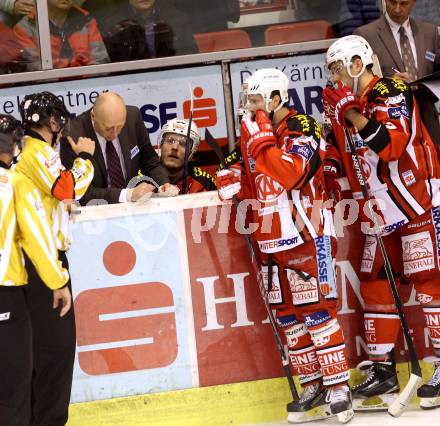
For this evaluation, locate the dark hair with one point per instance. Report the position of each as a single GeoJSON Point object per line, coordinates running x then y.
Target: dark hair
{"type": "Point", "coordinates": [11, 133]}
{"type": "Point", "coordinates": [369, 67]}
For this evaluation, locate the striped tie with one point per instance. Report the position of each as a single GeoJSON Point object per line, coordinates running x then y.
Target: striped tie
{"type": "Point", "coordinates": [114, 168]}
{"type": "Point", "coordinates": [407, 55]}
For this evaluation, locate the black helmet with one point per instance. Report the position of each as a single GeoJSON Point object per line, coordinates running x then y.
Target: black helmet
{"type": "Point", "coordinates": [37, 108]}
{"type": "Point", "coordinates": [11, 132]}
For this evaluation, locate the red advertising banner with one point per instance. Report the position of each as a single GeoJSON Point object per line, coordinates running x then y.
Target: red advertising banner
{"type": "Point", "coordinates": [233, 338]}
{"type": "Point", "coordinates": [234, 341]}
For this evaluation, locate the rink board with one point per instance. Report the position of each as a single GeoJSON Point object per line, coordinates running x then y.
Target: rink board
{"type": "Point", "coordinates": [249, 403]}
{"type": "Point", "coordinates": [165, 300]}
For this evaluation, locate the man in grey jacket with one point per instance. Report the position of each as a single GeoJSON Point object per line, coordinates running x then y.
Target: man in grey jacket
{"type": "Point", "coordinates": [394, 36]}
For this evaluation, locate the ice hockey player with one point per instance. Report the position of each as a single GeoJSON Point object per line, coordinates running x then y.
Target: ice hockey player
{"type": "Point", "coordinates": [282, 173]}
{"type": "Point", "coordinates": [24, 226]}
{"type": "Point", "coordinates": [401, 170]}
{"type": "Point", "coordinates": [173, 142]}
{"type": "Point", "coordinates": [45, 118]}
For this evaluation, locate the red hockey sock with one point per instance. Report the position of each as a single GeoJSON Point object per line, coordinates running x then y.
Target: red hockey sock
{"type": "Point", "coordinates": [328, 340]}
{"type": "Point", "coordinates": [302, 354]}
{"type": "Point", "coordinates": [432, 320]}
{"type": "Point", "coordinates": [381, 332]}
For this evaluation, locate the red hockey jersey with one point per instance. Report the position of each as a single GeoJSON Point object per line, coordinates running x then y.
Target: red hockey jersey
{"type": "Point", "coordinates": [285, 186]}
{"type": "Point", "coordinates": [396, 153]}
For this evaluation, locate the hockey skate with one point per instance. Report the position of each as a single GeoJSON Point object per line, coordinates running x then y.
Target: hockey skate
{"type": "Point", "coordinates": [339, 399]}
{"type": "Point", "coordinates": [378, 390]}
{"type": "Point", "coordinates": [429, 393]}
{"type": "Point", "coordinates": [311, 405]}
{"type": "Point", "coordinates": [319, 403]}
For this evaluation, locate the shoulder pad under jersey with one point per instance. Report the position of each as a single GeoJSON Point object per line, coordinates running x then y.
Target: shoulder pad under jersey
{"type": "Point", "coordinates": [388, 87]}
{"type": "Point", "coordinates": [305, 124]}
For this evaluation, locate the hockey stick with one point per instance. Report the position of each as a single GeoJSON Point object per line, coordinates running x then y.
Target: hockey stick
{"type": "Point", "coordinates": [188, 140]}
{"type": "Point", "coordinates": [256, 264]}
{"type": "Point", "coordinates": [404, 398]}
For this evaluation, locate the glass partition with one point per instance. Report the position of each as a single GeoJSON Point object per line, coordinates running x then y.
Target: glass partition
{"type": "Point", "coordinates": [95, 32]}
{"type": "Point", "coordinates": [19, 40]}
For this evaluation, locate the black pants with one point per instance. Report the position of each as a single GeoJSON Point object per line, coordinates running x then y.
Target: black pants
{"type": "Point", "coordinates": [53, 342]}
{"type": "Point", "coordinates": [15, 357]}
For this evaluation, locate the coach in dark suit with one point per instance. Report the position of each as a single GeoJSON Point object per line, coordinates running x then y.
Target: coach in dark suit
{"type": "Point", "coordinates": [122, 149]}
{"type": "Point", "coordinates": [384, 37]}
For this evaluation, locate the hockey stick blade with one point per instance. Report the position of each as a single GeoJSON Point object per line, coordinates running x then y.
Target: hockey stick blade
{"type": "Point", "coordinates": [402, 401]}
{"type": "Point", "coordinates": [215, 147]}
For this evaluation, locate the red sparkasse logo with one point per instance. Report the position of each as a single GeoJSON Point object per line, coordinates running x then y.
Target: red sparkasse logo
{"type": "Point", "coordinates": [204, 109]}
{"type": "Point", "coordinates": [111, 342]}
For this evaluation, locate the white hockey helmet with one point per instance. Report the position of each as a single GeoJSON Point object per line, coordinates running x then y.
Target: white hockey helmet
{"type": "Point", "coordinates": [345, 48]}
{"type": "Point", "coordinates": [265, 81]}
{"type": "Point", "coordinates": [179, 126]}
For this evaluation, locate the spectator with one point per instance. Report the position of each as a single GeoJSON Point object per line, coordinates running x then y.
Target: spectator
{"type": "Point", "coordinates": [173, 142]}
{"type": "Point", "coordinates": [209, 16]}
{"type": "Point", "coordinates": [74, 34]}
{"type": "Point", "coordinates": [11, 52]}
{"type": "Point", "coordinates": [17, 7]}
{"type": "Point", "coordinates": [140, 29]}
{"type": "Point", "coordinates": [420, 41]}
{"type": "Point", "coordinates": [122, 149]}
{"type": "Point", "coordinates": [24, 226]}
{"type": "Point", "coordinates": [355, 13]}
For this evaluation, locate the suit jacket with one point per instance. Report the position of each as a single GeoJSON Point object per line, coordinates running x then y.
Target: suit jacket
{"type": "Point", "coordinates": [138, 154]}
{"type": "Point", "coordinates": [378, 34]}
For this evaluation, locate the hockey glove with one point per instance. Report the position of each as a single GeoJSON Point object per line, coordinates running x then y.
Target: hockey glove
{"type": "Point", "coordinates": [331, 175]}
{"type": "Point", "coordinates": [257, 134]}
{"type": "Point", "coordinates": [340, 99]}
{"type": "Point", "coordinates": [228, 182]}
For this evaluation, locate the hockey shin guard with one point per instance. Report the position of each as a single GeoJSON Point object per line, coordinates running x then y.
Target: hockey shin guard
{"type": "Point", "coordinates": [328, 339]}
{"type": "Point", "coordinates": [302, 354]}
{"type": "Point", "coordinates": [381, 333]}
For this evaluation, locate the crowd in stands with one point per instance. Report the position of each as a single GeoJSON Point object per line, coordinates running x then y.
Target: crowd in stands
{"type": "Point", "coordinates": [87, 32]}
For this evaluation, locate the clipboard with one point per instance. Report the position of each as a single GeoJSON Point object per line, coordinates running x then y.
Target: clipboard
{"type": "Point", "coordinates": [431, 82]}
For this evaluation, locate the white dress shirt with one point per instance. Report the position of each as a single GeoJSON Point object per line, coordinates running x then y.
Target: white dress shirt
{"type": "Point", "coordinates": [102, 143]}
{"type": "Point", "coordinates": [395, 30]}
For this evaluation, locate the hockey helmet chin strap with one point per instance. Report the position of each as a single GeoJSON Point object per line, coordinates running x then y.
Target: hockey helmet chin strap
{"type": "Point", "coordinates": [355, 77]}
{"type": "Point", "coordinates": [63, 129]}
{"type": "Point", "coordinates": [54, 138]}
{"type": "Point", "coordinates": [271, 113]}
